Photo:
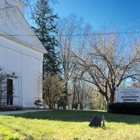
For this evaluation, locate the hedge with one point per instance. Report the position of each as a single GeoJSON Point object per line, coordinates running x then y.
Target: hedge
{"type": "Point", "coordinates": [124, 108]}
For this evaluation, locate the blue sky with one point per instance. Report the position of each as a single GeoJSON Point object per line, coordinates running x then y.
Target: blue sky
{"type": "Point", "coordinates": [102, 12]}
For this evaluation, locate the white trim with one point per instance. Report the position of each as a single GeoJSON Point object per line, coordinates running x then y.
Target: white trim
{"type": "Point", "coordinates": [21, 3]}
{"type": "Point", "coordinates": [21, 42]}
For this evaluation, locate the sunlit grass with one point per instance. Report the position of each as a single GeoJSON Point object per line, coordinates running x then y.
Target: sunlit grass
{"type": "Point", "coordinates": [68, 125]}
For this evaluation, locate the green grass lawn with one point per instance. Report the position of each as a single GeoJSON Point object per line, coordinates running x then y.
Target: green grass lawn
{"type": "Point", "coordinates": [68, 125]}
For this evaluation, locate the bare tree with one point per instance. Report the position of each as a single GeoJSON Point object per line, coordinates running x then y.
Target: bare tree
{"type": "Point", "coordinates": [70, 30]}
{"type": "Point", "coordinates": [53, 87]}
{"type": "Point", "coordinates": [97, 101]}
{"type": "Point", "coordinates": [108, 60]}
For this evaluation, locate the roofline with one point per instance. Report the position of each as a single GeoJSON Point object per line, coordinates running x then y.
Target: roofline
{"type": "Point", "coordinates": [43, 50]}
{"type": "Point", "coordinates": [23, 43]}
{"type": "Point", "coordinates": [22, 3]}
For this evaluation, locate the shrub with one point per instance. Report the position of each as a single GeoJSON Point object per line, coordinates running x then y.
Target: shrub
{"type": "Point", "coordinates": [3, 88]}
{"type": "Point", "coordinates": [124, 108]}
{"type": "Point", "coordinates": [38, 103]}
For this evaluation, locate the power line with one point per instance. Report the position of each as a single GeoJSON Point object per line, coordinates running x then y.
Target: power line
{"type": "Point", "coordinates": [123, 30]}
{"type": "Point", "coordinates": [129, 20]}
{"type": "Point", "coordinates": [106, 33]}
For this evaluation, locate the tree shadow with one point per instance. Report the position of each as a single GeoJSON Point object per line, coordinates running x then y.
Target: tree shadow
{"type": "Point", "coordinates": [80, 116]}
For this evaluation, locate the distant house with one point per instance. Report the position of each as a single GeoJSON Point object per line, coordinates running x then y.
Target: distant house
{"type": "Point", "coordinates": [21, 55]}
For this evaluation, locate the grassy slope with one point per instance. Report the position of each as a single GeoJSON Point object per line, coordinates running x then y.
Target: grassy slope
{"type": "Point", "coordinates": [67, 125]}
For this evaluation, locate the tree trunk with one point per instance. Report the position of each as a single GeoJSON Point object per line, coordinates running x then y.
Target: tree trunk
{"type": "Point", "coordinates": [74, 92]}
{"type": "Point", "coordinates": [107, 101]}
{"type": "Point", "coordinates": [112, 96]}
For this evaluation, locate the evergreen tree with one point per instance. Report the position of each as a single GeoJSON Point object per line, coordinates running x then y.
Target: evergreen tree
{"type": "Point", "coordinates": [45, 29]}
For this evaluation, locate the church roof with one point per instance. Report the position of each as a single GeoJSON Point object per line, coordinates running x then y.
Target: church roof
{"type": "Point", "coordinates": [14, 26]}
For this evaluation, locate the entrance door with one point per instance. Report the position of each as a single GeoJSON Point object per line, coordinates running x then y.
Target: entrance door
{"type": "Point", "coordinates": [9, 92]}
{"type": "Point", "coordinates": [16, 90]}
{"type": "Point", "coordinates": [13, 92]}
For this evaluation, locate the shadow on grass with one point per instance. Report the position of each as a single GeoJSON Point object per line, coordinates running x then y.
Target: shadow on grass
{"type": "Point", "coordinates": [80, 116]}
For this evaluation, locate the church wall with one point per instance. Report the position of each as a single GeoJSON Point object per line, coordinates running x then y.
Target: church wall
{"type": "Point", "coordinates": [26, 64]}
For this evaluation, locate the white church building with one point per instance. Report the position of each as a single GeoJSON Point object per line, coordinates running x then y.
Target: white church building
{"type": "Point", "coordinates": [21, 55]}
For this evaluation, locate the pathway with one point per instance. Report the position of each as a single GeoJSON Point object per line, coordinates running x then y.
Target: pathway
{"type": "Point", "coordinates": [22, 111]}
